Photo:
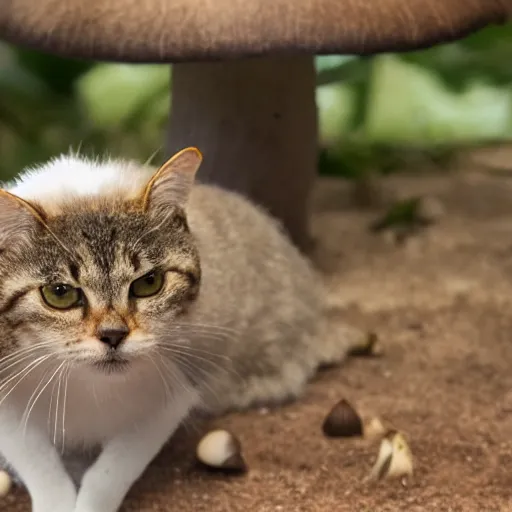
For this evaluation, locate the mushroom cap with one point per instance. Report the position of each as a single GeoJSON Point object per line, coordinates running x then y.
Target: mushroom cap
{"type": "Point", "coordinates": [181, 30]}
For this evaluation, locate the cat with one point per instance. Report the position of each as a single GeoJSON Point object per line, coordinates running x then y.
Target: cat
{"type": "Point", "coordinates": [130, 297]}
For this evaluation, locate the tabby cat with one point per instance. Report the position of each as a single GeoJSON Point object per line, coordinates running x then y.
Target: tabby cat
{"type": "Point", "coordinates": [128, 299]}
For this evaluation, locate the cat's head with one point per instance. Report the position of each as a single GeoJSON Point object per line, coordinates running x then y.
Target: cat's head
{"type": "Point", "coordinates": [99, 280]}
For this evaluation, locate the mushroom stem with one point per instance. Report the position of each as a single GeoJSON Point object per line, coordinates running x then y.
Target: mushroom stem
{"type": "Point", "coordinates": [255, 121]}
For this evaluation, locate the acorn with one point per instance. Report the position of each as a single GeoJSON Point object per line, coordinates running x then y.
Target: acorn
{"type": "Point", "coordinates": [221, 450]}
{"type": "Point", "coordinates": [394, 459]}
{"type": "Point", "coordinates": [343, 421]}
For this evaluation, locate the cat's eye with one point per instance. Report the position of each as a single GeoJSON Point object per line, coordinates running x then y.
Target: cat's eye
{"type": "Point", "coordinates": [61, 296]}
{"type": "Point", "coordinates": [147, 285]}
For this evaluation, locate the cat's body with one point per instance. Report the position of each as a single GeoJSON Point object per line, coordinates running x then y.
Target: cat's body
{"type": "Point", "coordinates": [238, 320]}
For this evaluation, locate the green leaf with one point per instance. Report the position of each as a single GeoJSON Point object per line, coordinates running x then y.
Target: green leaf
{"type": "Point", "coordinates": [347, 69]}
{"type": "Point", "coordinates": [336, 109]}
{"type": "Point", "coordinates": [410, 104]}
{"type": "Point", "coordinates": [57, 73]}
{"type": "Point", "coordinates": [401, 213]}
{"type": "Point", "coordinates": [116, 94]}
{"type": "Point", "coordinates": [482, 57]}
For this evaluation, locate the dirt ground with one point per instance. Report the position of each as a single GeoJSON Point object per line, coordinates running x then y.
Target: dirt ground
{"type": "Point", "coordinates": [442, 306]}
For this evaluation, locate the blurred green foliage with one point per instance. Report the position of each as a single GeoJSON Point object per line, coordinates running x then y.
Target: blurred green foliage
{"type": "Point", "coordinates": [375, 112]}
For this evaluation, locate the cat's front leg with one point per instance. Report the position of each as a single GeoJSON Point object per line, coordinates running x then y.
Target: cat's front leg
{"type": "Point", "coordinates": [125, 457]}
{"type": "Point", "coordinates": [37, 463]}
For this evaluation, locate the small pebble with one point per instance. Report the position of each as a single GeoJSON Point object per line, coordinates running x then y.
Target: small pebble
{"type": "Point", "coordinates": [220, 449]}
{"type": "Point", "coordinates": [5, 483]}
{"type": "Point", "coordinates": [343, 421]}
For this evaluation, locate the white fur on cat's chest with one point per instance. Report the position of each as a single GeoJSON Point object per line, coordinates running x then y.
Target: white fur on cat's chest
{"type": "Point", "coordinates": [95, 406]}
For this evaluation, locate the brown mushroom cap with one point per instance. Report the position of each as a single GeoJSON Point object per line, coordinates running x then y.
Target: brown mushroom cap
{"type": "Point", "coordinates": [179, 30]}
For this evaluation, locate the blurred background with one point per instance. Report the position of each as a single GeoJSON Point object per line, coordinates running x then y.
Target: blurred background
{"type": "Point", "coordinates": [377, 115]}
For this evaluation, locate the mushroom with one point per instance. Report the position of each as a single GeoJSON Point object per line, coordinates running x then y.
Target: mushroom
{"type": "Point", "coordinates": [244, 78]}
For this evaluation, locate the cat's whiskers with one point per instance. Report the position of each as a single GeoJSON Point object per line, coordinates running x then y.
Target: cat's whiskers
{"type": "Point", "coordinates": [205, 376]}
{"type": "Point", "coordinates": [191, 357]}
{"type": "Point", "coordinates": [187, 356]}
{"type": "Point", "coordinates": [68, 372]}
{"type": "Point", "coordinates": [26, 369]}
{"type": "Point", "coordinates": [207, 332]}
{"type": "Point", "coordinates": [224, 365]}
{"type": "Point", "coordinates": [191, 349]}
{"type": "Point", "coordinates": [18, 362]}
{"type": "Point", "coordinates": [208, 327]}
{"type": "Point", "coordinates": [186, 336]}
{"type": "Point", "coordinates": [173, 374]}
{"type": "Point", "coordinates": [57, 403]}
{"type": "Point", "coordinates": [23, 373]}
{"type": "Point", "coordinates": [167, 390]}
{"type": "Point", "coordinates": [26, 351]}
{"type": "Point", "coordinates": [50, 405]}
{"type": "Point", "coordinates": [30, 406]}
{"type": "Point", "coordinates": [181, 347]}
{"type": "Point", "coordinates": [29, 402]}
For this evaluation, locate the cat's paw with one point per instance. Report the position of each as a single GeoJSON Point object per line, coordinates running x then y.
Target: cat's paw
{"type": "Point", "coordinates": [60, 499]}
{"type": "Point", "coordinates": [81, 507]}
{"type": "Point", "coordinates": [59, 505]}
{"type": "Point", "coordinates": [93, 504]}
{"type": "Point", "coordinates": [97, 498]}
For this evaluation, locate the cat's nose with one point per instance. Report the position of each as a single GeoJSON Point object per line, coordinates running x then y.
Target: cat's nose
{"type": "Point", "coordinates": [113, 337]}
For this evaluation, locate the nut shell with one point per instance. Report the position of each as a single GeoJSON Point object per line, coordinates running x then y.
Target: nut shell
{"type": "Point", "coordinates": [374, 429]}
{"type": "Point", "coordinates": [343, 421]}
{"type": "Point", "coordinates": [394, 459]}
{"type": "Point", "coordinates": [5, 483]}
{"type": "Point", "coordinates": [221, 450]}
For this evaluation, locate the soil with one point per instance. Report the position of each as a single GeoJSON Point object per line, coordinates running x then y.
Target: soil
{"type": "Point", "coordinates": [441, 304]}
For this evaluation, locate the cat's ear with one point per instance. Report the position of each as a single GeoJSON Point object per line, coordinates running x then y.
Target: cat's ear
{"type": "Point", "coordinates": [18, 219]}
{"type": "Point", "coordinates": [172, 183]}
